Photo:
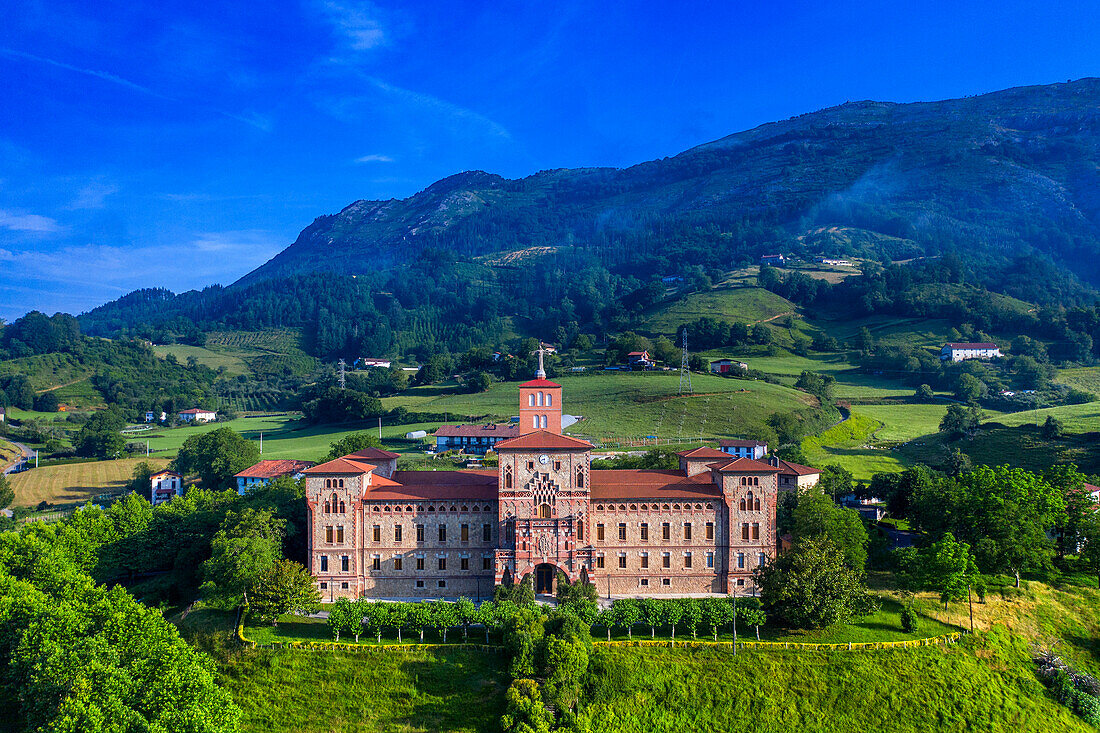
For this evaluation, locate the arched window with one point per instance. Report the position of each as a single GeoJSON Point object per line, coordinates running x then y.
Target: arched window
{"type": "Point", "coordinates": [535, 418]}
{"type": "Point", "coordinates": [544, 511]}
{"type": "Point", "coordinates": [531, 400]}
{"type": "Point", "coordinates": [508, 477]}
{"type": "Point", "coordinates": [757, 506]}
{"type": "Point", "coordinates": [341, 483]}
{"type": "Point", "coordinates": [755, 480]}
{"type": "Point", "coordinates": [328, 507]}
{"type": "Point", "coordinates": [549, 399]}
{"type": "Point", "coordinates": [742, 480]}
{"type": "Point", "coordinates": [544, 421]}
{"type": "Point", "coordinates": [328, 483]}
{"type": "Point", "coordinates": [335, 501]}
{"type": "Point", "coordinates": [749, 501]}
{"type": "Point", "coordinates": [742, 503]}
{"type": "Point", "coordinates": [540, 399]}
{"type": "Point", "coordinates": [342, 510]}
{"type": "Point", "coordinates": [580, 477]}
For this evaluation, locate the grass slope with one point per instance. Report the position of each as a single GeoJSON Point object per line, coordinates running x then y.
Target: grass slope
{"type": "Point", "coordinates": [631, 404]}
{"type": "Point", "coordinates": [74, 483]}
{"type": "Point", "coordinates": [849, 444]}
{"type": "Point", "coordinates": [732, 305]}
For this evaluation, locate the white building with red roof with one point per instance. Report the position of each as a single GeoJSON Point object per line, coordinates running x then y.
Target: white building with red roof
{"type": "Point", "coordinates": [196, 414]}
{"type": "Point", "coordinates": [266, 471]}
{"type": "Point", "coordinates": [164, 486]}
{"type": "Point", "coordinates": [969, 350]}
{"type": "Point", "coordinates": [382, 533]}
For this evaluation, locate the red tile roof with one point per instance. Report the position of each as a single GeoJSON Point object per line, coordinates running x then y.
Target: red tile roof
{"type": "Point", "coordinates": [972, 345]}
{"type": "Point", "coordinates": [272, 469]}
{"type": "Point", "coordinates": [738, 465]}
{"type": "Point", "coordinates": [478, 485]}
{"type": "Point", "coordinates": [165, 472]}
{"type": "Point", "coordinates": [492, 430]}
{"type": "Point", "coordinates": [376, 454]}
{"type": "Point", "coordinates": [343, 466]}
{"type": "Point", "coordinates": [607, 485]}
{"type": "Point", "coordinates": [543, 440]}
{"type": "Point", "coordinates": [737, 443]}
{"type": "Point", "coordinates": [541, 383]}
{"type": "Point", "coordinates": [195, 411]}
{"type": "Point", "coordinates": [797, 469]}
{"type": "Point", "coordinates": [703, 453]}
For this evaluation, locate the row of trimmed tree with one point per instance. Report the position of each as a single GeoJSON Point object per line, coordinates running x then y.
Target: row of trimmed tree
{"type": "Point", "coordinates": [353, 618]}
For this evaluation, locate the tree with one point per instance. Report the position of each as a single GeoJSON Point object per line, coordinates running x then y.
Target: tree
{"type": "Point", "coordinates": [957, 463]}
{"type": "Point", "coordinates": [479, 382]}
{"type": "Point", "coordinates": [716, 612]}
{"type": "Point", "coordinates": [395, 615]}
{"type": "Point", "coordinates": [286, 587]}
{"type": "Point", "coordinates": [812, 587]}
{"type": "Point", "coordinates": [1090, 545]}
{"type": "Point", "coordinates": [627, 614]}
{"type": "Point", "coordinates": [910, 622]}
{"type": "Point", "coordinates": [650, 609]}
{"type": "Point", "coordinates": [946, 566]}
{"type": "Point", "coordinates": [925, 394]}
{"type": "Point", "coordinates": [216, 457]}
{"type": "Point", "coordinates": [607, 618]}
{"type": "Point", "coordinates": [341, 617]}
{"type": "Point", "coordinates": [671, 613]}
{"type": "Point", "coordinates": [751, 613]}
{"type": "Point", "coordinates": [1078, 502]}
{"type": "Point", "coordinates": [836, 481]}
{"type": "Point", "coordinates": [351, 444]}
{"type": "Point", "coordinates": [241, 552]}
{"type": "Point", "coordinates": [375, 617]}
{"type": "Point", "coordinates": [524, 711]}
{"type": "Point", "coordinates": [7, 493]}
{"type": "Point", "coordinates": [970, 389]}
{"type": "Point", "coordinates": [692, 615]}
{"type": "Point", "coordinates": [1053, 428]}
{"type": "Point", "coordinates": [816, 515]}
{"type": "Point", "coordinates": [466, 613]}
{"type": "Point", "coordinates": [443, 616]}
{"type": "Point", "coordinates": [959, 421]}
{"type": "Point", "coordinates": [100, 436]}
{"type": "Point", "coordinates": [418, 616]}
{"type": "Point", "coordinates": [47, 402]}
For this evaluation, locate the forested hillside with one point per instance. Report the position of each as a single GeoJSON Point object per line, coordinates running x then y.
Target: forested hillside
{"type": "Point", "coordinates": [996, 192]}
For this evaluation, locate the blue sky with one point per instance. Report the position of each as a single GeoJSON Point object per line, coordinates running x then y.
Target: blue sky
{"type": "Point", "coordinates": [181, 144]}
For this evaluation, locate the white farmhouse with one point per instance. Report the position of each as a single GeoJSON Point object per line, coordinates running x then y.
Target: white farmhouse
{"type": "Point", "coordinates": [964, 351]}
{"type": "Point", "coordinates": [197, 415]}
{"type": "Point", "coordinates": [165, 486]}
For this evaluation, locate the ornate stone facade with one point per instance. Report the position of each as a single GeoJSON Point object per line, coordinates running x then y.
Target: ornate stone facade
{"type": "Point", "coordinates": [409, 534]}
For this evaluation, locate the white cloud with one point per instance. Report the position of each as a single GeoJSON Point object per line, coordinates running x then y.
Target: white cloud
{"type": "Point", "coordinates": [93, 196]}
{"type": "Point", "coordinates": [6, 255]}
{"type": "Point", "coordinates": [374, 158]}
{"type": "Point", "coordinates": [105, 76]}
{"type": "Point", "coordinates": [30, 223]}
{"type": "Point", "coordinates": [442, 108]}
{"type": "Point", "coordinates": [356, 22]}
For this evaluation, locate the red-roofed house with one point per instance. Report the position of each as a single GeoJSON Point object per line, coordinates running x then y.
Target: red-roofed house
{"type": "Point", "coordinates": [755, 449]}
{"type": "Point", "coordinates": [794, 476]}
{"type": "Point", "coordinates": [704, 528]}
{"type": "Point", "coordinates": [640, 360]}
{"type": "Point", "coordinates": [265, 471]}
{"type": "Point", "coordinates": [165, 486]}
{"type": "Point", "coordinates": [198, 415]}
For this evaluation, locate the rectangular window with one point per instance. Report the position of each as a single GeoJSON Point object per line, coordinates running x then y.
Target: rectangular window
{"type": "Point", "coordinates": [645, 560]}
{"type": "Point", "coordinates": [740, 581]}
{"type": "Point", "coordinates": [344, 586]}
{"type": "Point", "coordinates": [442, 563]}
{"type": "Point", "coordinates": [622, 531]}
{"type": "Point", "coordinates": [419, 563]}
{"type": "Point", "coordinates": [622, 562]}
{"type": "Point", "coordinates": [687, 560]}
{"type": "Point", "coordinates": [397, 533]}
{"type": "Point", "coordinates": [328, 535]}
{"type": "Point", "coordinates": [710, 530]}
{"type": "Point", "coordinates": [557, 465]}
{"type": "Point", "coordinates": [745, 531]}
{"type": "Point", "coordinates": [486, 533]}
{"type": "Point", "coordinates": [643, 532]}
{"type": "Point", "coordinates": [340, 534]}
{"type": "Point", "coordinates": [599, 561]}
{"type": "Point", "coordinates": [464, 533]}
{"type": "Point", "coordinates": [666, 531]}
{"type": "Point", "coordinates": [687, 530]}
{"type": "Point", "coordinates": [740, 561]}
{"type": "Point", "coordinates": [344, 563]}
{"type": "Point", "coordinates": [420, 584]}
{"type": "Point", "coordinates": [761, 559]}
{"type": "Point", "coordinates": [666, 560]}
{"type": "Point", "coordinates": [710, 559]}
{"type": "Point", "coordinates": [486, 563]}
{"type": "Point", "coordinates": [442, 533]}
{"type": "Point", "coordinates": [644, 582]}
{"type": "Point", "coordinates": [324, 586]}
{"type": "Point", "coordinates": [666, 581]}
{"type": "Point", "coordinates": [324, 563]}
{"type": "Point", "coordinates": [420, 533]}
{"type": "Point", "coordinates": [756, 530]}
{"type": "Point", "coordinates": [442, 584]}
{"type": "Point", "coordinates": [397, 563]}
{"type": "Point", "coordinates": [376, 534]}
{"type": "Point", "coordinates": [599, 532]}
{"type": "Point", "coordinates": [464, 563]}
{"type": "Point", "coordinates": [376, 563]}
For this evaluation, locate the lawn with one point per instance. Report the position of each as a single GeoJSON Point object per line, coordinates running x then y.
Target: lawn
{"type": "Point", "coordinates": [1076, 418]}
{"type": "Point", "coordinates": [905, 421]}
{"type": "Point", "coordinates": [630, 404]}
{"type": "Point", "coordinates": [75, 483]}
{"type": "Point", "coordinates": [215, 357]}
{"type": "Point", "coordinates": [851, 445]}
{"type": "Point", "coordinates": [732, 305]}
{"type": "Point", "coordinates": [1086, 379]}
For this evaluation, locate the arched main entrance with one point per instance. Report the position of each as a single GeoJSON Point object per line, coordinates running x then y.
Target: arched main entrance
{"type": "Point", "coordinates": [545, 578]}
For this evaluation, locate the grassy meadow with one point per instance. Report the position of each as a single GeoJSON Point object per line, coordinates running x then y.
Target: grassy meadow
{"type": "Point", "coordinates": [75, 483]}
{"type": "Point", "coordinates": [729, 304]}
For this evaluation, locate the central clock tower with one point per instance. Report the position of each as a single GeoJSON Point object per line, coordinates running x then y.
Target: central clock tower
{"type": "Point", "coordinates": [543, 493]}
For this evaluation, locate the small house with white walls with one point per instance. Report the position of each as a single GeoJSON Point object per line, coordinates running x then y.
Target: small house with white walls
{"type": "Point", "coordinates": [165, 486]}
{"type": "Point", "coordinates": [265, 471]}
{"type": "Point", "coordinates": [969, 350]}
{"type": "Point", "coordinates": [197, 415]}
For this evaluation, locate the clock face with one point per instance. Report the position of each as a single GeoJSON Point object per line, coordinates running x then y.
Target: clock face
{"type": "Point", "coordinates": [544, 459]}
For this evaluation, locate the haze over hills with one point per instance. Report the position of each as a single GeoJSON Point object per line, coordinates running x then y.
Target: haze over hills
{"type": "Point", "coordinates": [1000, 175]}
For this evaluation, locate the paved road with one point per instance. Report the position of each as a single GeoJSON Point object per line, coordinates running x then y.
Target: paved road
{"type": "Point", "coordinates": [28, 454]}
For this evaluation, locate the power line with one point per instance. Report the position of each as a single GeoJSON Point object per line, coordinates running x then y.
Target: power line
{"type": "Point", "coordinates": [684, 370]}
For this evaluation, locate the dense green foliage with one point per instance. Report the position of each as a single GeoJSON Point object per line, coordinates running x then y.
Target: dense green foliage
{"type": "Point", "coordinates": [216, 457]}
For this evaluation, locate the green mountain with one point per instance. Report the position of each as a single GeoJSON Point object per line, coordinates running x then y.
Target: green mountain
{"type": "Point", "coordinates": [999, 175]}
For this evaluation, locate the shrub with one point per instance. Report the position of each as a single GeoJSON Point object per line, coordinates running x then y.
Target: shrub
{"type": "Point", "coordinates": [910, 622]}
